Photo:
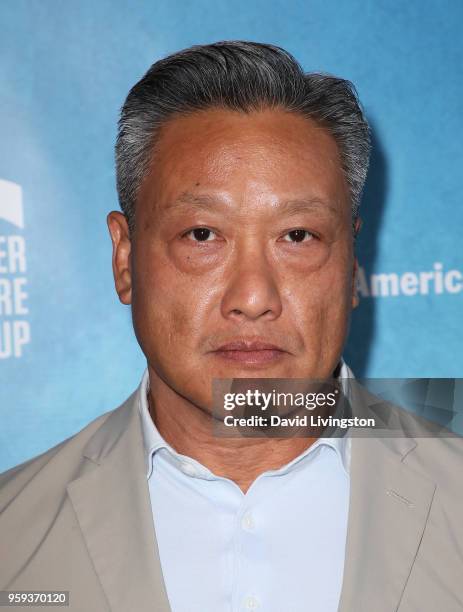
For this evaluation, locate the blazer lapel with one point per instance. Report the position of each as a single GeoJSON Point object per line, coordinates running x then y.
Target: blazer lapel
{"type": "Point", "coordinates": [114, 513]}
{"type": "Point", "coordinates": [389, 506]}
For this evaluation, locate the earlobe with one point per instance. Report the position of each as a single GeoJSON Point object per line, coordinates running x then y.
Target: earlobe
{"type": "Point", "coordinates": [121, 263]}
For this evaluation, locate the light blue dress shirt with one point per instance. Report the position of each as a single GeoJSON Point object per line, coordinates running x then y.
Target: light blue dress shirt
{"type": "Point", "coordinates": [277, 548]}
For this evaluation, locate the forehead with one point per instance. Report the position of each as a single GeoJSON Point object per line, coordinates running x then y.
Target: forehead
{"type": "Point", "coordinates": [272, 150]}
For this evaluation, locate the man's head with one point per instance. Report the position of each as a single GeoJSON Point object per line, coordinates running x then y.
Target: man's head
{"type": "Point", "coordinates": [240, 179]}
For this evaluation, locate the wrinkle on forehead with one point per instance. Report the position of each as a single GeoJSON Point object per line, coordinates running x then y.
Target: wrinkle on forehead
{"type": "Point", "coordinates": [189, 202]}
{"type": "Point", "coordinates": [222, 151]}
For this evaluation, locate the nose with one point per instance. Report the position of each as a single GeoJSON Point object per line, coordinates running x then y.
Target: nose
{"type": "Point", "coordinates": [252, 292]}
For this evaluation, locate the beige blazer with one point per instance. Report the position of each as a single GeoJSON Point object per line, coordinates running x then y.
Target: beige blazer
{"type": "Point", "coordinates": [78, 518]}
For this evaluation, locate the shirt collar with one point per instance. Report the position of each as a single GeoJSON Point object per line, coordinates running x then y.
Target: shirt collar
{"type": "Point", "coordinates": [153, 441]}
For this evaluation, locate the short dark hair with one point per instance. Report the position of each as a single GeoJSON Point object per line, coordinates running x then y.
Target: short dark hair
{"type": "Point", "coordinates": [242, 76]}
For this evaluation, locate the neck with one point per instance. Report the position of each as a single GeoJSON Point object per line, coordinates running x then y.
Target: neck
{"type": "Point", "coordinates": [189, 430]}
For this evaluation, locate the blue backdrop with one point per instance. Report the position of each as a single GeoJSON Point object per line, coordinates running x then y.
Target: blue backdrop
{"type": "Point", "coordinates": [67, 350]}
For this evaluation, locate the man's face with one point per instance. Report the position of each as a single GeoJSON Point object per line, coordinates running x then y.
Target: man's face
{"type": "Point", "coordinates": [241, 263]}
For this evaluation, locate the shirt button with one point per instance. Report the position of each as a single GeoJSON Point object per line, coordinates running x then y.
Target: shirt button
{"type": "Point", "coordinates": [251, 603]}
{"type": "Point", "coordinates": [247, 521]}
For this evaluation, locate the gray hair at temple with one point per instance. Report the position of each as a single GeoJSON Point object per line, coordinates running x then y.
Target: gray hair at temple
{"type": "Point", "coordinates": [241, 76]}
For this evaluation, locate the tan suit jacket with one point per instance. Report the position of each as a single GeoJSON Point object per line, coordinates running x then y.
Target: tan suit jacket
{"type": "Point", "coordinates": [78, 518]}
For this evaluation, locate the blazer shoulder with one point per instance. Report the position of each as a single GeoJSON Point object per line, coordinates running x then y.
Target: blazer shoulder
{"type": "Point", "coordinates": [425, 445]}
{"type": "Point", "coordinates": [438, 450]}
{"type": "Point", "coordinates": [440, 456]}
{"type": "Point", "coordinates": [37, 517]}
{"type": "Point", "coordinates": [56, 465]}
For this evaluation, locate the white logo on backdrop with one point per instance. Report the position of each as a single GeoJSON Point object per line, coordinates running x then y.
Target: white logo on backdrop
{"type": "Point", "coordinates": [437, 281]}
{"type": "Point", "coordinates": [15, 331]}
{"type": "Point", "coordinates": [11, 203]}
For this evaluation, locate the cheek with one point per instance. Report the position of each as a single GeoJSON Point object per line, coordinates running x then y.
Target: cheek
{"type": "Point", "coordinates": [320, 300]}
{"type": "Point", "coordinates": [169, 307]}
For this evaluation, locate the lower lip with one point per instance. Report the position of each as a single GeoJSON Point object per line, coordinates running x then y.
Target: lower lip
{"type": "Point", "coordinates": [251, 357]}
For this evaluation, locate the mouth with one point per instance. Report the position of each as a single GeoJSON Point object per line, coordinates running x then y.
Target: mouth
{"type": "Point", "coordinates": [247, 352]}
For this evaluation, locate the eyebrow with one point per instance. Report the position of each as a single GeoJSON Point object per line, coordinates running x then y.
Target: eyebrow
{"type": "Point", "coordinates": [189, 201]}
{"type": "Point", "coordinates": [294, 207]}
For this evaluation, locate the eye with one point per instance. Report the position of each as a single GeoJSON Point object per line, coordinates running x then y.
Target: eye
{"type": "Point", "coordinates": [298, 235]}
{"type": "Point", "coordinates": [200, 234]}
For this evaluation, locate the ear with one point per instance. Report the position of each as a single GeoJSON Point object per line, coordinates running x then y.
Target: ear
{"type": "Point", "coordinates": [355, 296]}
{"type": "Point", "coordinates": [122, 271]}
